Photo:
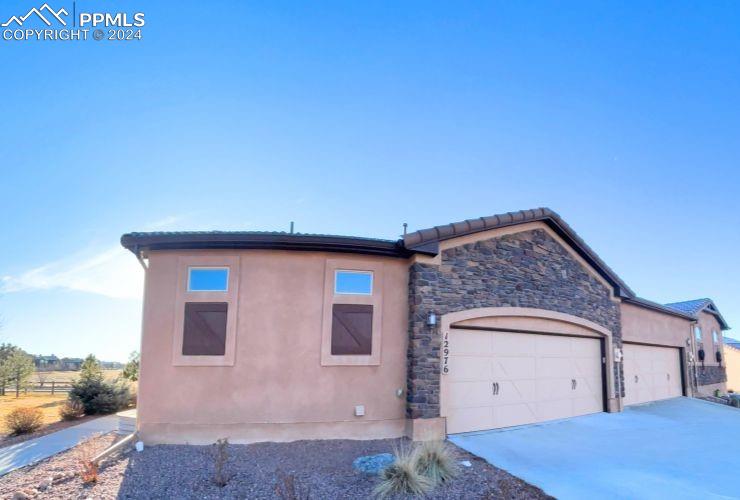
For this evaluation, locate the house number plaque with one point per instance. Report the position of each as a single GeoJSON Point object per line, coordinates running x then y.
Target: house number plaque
{"type": "Point", "coordinates": [445, 353]}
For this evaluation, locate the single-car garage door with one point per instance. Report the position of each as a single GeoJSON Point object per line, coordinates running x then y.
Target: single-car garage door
{"type": "Point", "coordinates": [501, 379]}
{"type": "Point", "coordinates": [651, 373]}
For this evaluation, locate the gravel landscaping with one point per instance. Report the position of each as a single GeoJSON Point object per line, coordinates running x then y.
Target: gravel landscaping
{"type": "Point", "coordinates": [321, 469]}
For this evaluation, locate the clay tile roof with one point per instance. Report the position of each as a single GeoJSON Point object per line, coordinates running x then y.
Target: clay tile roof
{"type": "Point", "coordinates": [426, 239]}
{"type": "Point", "coordinates": [696, 306]}
{"type": "Point", "coordinates": [692, 307]}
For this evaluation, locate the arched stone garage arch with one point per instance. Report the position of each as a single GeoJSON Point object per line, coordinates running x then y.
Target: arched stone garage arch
{"type": "Point", "coordinates": [527, 268]}
{"type": "Point", "coordinates": [528, 320]}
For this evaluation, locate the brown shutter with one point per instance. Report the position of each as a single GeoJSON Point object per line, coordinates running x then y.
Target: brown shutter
{"type": "Point", "coordinates": [205, 329]}
{"type": "Point", "coordinates": [351, 329]}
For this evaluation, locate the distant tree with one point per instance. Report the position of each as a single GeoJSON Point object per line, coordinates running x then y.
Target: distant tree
{"type": "Point", "coordinates": [131, 370]}
{"type": "Point", "coordinates": [6, 351]}
{"type": "Point", "coordinates": [19, 367]}
{"type": "Point", "coordinates": [90, 369]}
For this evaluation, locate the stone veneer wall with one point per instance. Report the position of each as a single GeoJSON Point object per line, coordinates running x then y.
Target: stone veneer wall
{"type": "Point", "coordinates": [527, 269]}
{"type": "Point", "coordinates": [711, 374]}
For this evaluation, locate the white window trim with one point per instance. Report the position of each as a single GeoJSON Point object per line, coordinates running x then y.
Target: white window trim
{"type": "Point", "coordinates": [354, 271]}
{"type": "Point", "coordinates": [209, 268]}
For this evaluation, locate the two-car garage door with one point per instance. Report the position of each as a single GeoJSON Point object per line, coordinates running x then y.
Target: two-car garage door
{"type": "Point", "coordinates": [501, 379]}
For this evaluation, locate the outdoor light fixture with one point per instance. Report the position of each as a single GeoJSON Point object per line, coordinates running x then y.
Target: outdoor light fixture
{"type": "Point", "coordinates": [432, 319]}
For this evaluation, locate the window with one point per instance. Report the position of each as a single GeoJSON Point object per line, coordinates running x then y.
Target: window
{"type": "Point", "coordinates": [715, 337]}
{"type": "Point", "coordinates": [203, 279]}
{"type": "Point", "coordinates": [353, 282]}
{"type": "Point", "coordinates": [697, 334]}
{"type": "Point", "coordinates": [352, 312]}
{"type": "Point", "coordinates": [206, 310]}
{"type": "Point", "coordinates": [352, 329]}
{"type": "Point", "coordinates": [204, 330]}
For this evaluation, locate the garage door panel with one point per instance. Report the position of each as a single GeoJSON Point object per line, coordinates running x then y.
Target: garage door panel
{"type": "Point", "coordinates": [550, 389]}
{"type": "Point", "coordinates": [586, 405]}
{"type": "Point", "coordinates": [587, 387]}
{"type": "Point", "coordinates": [554, 409]}
{"type": "Point", "coordinates": [467, 367]}
{"type": "Point", "coordinates": [470, 419]}
{"type": "Point", "coordinates": [553, 346]}
{"type": "Point", "coordinates": [554, 367]}
{"type": "Point", "coordinates": [511, 344]}
{"type": "Point", "coordinates": [516, 391]}
{"type": "Point", "coordinates": [585, 348]}
{"type": "Point", "coordinates": [513, 368]}
{"type": "Point", "coordinates": [472, 342]}
{"type": "Point", "coordinates": [468, 394]}
{"type": "Point", "coordinates": [587, 367]}
{"type": "Point", "coordinates": [515, 414]}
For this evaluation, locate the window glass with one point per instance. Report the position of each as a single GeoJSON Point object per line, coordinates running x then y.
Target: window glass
{"type": "Point", "coordinates": [204, 331]}
{"type": "Point", "coordinates": [352, 329]}
{"type": "Point", "coordinates": [202, 279]}
{"type": "Point", "coordinates": [715, 337]}
{"type": "Point", "coordinates": [353, 282]}
{"type": "Point", "coordinates": [697, 333]}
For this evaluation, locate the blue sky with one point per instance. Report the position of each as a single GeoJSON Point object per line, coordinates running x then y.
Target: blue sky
{"type": "Point", "coordinates": [354, 117]}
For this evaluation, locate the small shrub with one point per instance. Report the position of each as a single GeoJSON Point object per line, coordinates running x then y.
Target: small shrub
{"type": "Point", "coordinates": [72, 409]}
{"type": "Point", "coordinates": [84, 454]}
{"type": "Point", "coordinates": [286, 488]}
{"type": "Point", "coordinates": [220, 456]}
{"type": "Point", "coordinates": [403, 477]}
{"type": "Point", "coordinates": [437, 461]}
{"type": "Point", "coordinates": [99, 396]}
{"type": "Point", "coordinates": [24, 420]}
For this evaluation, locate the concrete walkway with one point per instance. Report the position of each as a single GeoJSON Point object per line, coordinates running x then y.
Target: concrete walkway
{"type": "Point", "coordinates": [31, 451]}
{"type": "Point", "coordinates": [679, 449]}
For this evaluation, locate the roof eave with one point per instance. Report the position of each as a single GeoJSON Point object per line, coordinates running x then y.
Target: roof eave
{"type": "Point", "coordinates": [648, 304]}
{"type": "Point", "coordinates": [215, 241]}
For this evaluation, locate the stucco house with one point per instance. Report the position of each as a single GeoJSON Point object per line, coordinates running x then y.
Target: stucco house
{"type": "Point", "coordinates": [732, 362]}
{"type": "Point", "coordinates": [480, 324]}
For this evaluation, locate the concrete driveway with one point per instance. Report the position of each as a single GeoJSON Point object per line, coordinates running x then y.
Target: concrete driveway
{"type": "Point", "coordinates": [678, 448]}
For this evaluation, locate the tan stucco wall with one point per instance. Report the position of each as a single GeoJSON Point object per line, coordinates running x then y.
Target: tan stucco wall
{"type": "Point", "coordinates": [708, 323]}
{"type": "Point", "coordinates": [277, 388]}
{"type": "Point", "coordinates": [652, 327]}
{"type": "Point", "coordinates": [732, 356]}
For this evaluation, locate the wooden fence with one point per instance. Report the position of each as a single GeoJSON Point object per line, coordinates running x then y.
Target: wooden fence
{"type": "Point", "coordinates": [52, 387]}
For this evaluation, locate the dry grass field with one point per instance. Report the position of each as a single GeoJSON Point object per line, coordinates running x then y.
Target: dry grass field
{"type": "Point", "coordinates": [68, 376]}
{"type": "Point", "coordinates": [48, 404]}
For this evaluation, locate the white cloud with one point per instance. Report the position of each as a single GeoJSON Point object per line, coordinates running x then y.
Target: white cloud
{"type": "Point", "coordinates": [113, 273]}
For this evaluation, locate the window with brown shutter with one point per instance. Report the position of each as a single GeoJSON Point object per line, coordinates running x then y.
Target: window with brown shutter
{"type": "Point", "coordinates": [204, 332]}
{"type": "Point", "coordinates": [351, 329]}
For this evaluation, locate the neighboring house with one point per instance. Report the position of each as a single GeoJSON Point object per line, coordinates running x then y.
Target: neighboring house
{"type": "Point", "coordinates": [486, 323]}
{"type": "Point", "coordinates": [46, 363]}
{"type": "Point", "coordinates": [70, 364]}
{"type": "Point", "coordinates": [732, 361]}
{"type": "Point", "coordinates": [707, 349]}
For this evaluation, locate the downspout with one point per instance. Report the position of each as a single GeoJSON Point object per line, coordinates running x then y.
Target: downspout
{"type": "Point", "coordinates": [691, 356]}
{"type": "Point", "coordinates": [140, 258]}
